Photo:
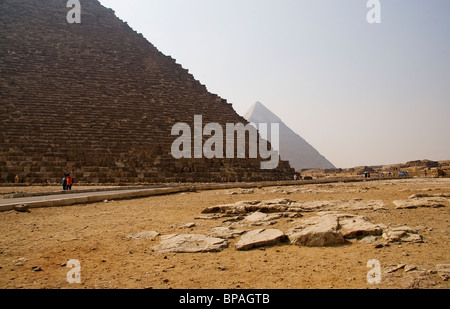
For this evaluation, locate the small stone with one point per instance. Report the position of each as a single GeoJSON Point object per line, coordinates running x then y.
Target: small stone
{"type": "Point", "coordinates": [21, 208]}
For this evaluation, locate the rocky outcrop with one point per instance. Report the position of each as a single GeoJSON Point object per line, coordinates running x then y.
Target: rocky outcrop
{"type": "Point", "coordinates": [331, 229]}
{"type": "Point", "coordinates": [286, 205]}
{"type": "Point", "coordinates": [244, 207]}
{"type": "Point", "coordinates": [327, 228]}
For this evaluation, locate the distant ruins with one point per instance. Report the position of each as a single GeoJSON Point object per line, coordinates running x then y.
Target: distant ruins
{"type": "Point", "coordinates": [96, 99]}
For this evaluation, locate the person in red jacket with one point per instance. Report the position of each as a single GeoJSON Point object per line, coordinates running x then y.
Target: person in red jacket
{"type": "Point", "coordinates": [69, 182]}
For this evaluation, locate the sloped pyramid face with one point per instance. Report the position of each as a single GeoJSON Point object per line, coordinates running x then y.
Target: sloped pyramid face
{"type": "Point", "coordinates": [98, 100]}
{"type": "Point", "coordinates": [293, 148]}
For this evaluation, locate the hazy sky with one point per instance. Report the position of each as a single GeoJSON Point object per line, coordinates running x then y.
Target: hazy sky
{"type": "Point", "coordinates": [360, 93]}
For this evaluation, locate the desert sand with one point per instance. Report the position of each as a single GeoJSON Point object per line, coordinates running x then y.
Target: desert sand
{"type": "Point", "coordinates": [36, 246]}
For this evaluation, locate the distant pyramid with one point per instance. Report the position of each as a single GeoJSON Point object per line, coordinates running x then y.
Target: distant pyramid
{"type": "Point", "coordinates": [293, 148]}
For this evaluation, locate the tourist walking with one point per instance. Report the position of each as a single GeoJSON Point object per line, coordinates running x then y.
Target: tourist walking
{"type": "Point", "coordinates": [64, 182]}
{"type": "Point", "coordinates": [69, 182]}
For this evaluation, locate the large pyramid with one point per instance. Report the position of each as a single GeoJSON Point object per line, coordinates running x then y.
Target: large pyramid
{"type": "Point", "coordinates": [98, 100]}
{"type": "Point", "coordinates": [292, 147]}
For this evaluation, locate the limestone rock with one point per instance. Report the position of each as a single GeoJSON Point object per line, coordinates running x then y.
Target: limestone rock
{"type": "Point", "coordinates": [316, 232]}
{"type": "Point", "coordinates": [433, 202]}
{"type": "Point", "coordinates": [331, 229]}
{"type": "Point", "coordinates": [190, 243]}
{"type": "Point", "coordinates": [226, 232]}
{"type": "Point", "coordinates": [259, 218]}
{"type": "Point", "coordinates": [370, 239]}
{"type": "Point", "coordinates": [243, 207]}
{"type": "Point", "coordinates": [259, 238]}
{"type": "Point", "coordinates": [150, 235]}
{"type": "Point", "coordinates": [338, 205]}
{"type": "Point", "coordinates": [353, 226]}
{"type": "Point", "coordinates": [286, 205]}
{"type": "Point", "coordinates": [402, 234]}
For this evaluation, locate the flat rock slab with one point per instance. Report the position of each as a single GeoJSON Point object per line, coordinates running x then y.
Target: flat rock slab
{"type": "Point", "coordinates": [354, 226]}
{"type": "Point", "coordinates": [226, 232]}
{"type": "Point", "coordinates": [150, 235]}
{"type": "Point", "coordinates": [338, 205]}
{"type": "Point", "coordinates": [331, 229]}
{"type": "Point", "coordinates": [244, 207]}
{"type": "Point", "coordinates": [190, 243]}
{"type": "Point", "coordinates": [415, 202]}
{"type": "Point", "coordinates": [420, 195]}
{"type": "Point", "coordinates": [402, 234]}
{"type": "Point", "coordinates": [316, 232]}
{"type": "Point", "coordinates": [260, 238]}
{"type": "Point", "coordinates": [286, 205]}
{"type": "Point", "coordinates": [259, 218]}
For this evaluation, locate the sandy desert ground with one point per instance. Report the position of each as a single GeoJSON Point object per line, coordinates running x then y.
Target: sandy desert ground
{"type": "Point", "coordinates": [35, 247]}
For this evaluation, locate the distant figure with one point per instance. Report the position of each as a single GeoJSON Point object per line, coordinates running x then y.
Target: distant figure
{"type": "Point", "coordinates": [16, 179]}
{"type": "Point", "coordinates": [425, 173]}
{"type": "Point", "coordinates": [366, 173]}
{"type": "Point", "coordinates": [295, 176]}
{"type": "Point", "coordinates": [69, 182]}
{"type": "Point", "coordinates": [64, 182]}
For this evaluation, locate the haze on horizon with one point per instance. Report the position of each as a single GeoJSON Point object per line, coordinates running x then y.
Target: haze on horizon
{"type": "Point", "coordinates": [360, 93]}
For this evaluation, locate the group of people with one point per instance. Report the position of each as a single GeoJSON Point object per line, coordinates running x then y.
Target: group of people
{"type": "Point", "coordinates": [67, 182]}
